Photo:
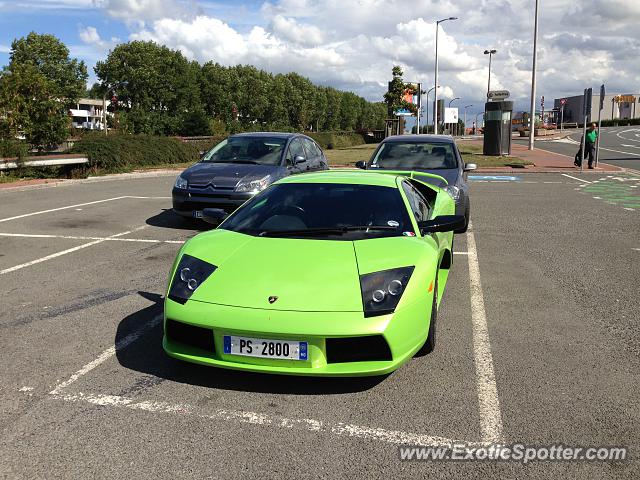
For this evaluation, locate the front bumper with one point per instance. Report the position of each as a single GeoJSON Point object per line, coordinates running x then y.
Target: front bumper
{"type": "Point", "coordinates": [185, 202]}
{"type": "Point", "coordinates": [404, 331]}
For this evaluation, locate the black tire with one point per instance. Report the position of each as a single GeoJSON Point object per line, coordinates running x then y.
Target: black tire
{"type": "Point", "coordinates": [430, 342]}
{"type": "Point", "coordinates": [466, 220]}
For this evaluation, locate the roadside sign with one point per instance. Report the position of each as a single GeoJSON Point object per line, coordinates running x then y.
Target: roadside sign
{"type": "Point", "coordinates": [451, 115]}
{"type": "Point", "coordinates": [586, 101]}
{"type": "Point", "coordinates": [625, 99]}
{"type": "Point", "coordinates": [602, 94]}
{"type": "Point", "coordinates": [563, 101]}
{"type": "Point", "coordinates": [498, 94]}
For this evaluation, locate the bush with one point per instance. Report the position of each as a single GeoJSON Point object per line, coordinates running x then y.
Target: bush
{"type": "Point", "coordinates": [620, 122]}
{"type": "Point", "coordinates": [13, 149]}
{"type": "Point", "coordinates": [331, 140]}
{"type": "Point", "coordinates": [120, 152]}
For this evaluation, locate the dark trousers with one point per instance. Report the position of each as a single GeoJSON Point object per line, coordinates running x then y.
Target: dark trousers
{"type": "Point", "coordinates": [590, 151]}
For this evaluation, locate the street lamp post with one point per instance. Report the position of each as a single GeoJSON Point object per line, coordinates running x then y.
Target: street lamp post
{"type": "Point", "coordinates": [465, 119]}
{"type": "Point", "coordinates": [490, 53]}
{"type": "Point", "coordinates": [435, 109]}
{"type": "Point", "coordinates": [450, 102]}
{"type": "Point", "coordinates": [532, 116]}
{"type": "Point", "coordinates": [428, 92]}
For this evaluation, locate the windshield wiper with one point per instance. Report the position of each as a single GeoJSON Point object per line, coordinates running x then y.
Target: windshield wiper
{"type": "Point", "coordinates": [323, 231]}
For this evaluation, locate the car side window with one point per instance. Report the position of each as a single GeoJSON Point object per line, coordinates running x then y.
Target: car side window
{"type": "Point", "coordinates": [419, 205]}
{"type": "Point", "coordinates": [295, 149]}
{"type": "Point", "coordinates": [309, 147]}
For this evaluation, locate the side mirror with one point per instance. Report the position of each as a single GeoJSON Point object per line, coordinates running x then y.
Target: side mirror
{"type": "Point", "coordinates": [299, 159]}
{"type": "Point", "coordinates": [214, 216]}
{"type": "Point", "coordinates": [361, 164]}
{"type": "Point", "coordinates": [469, 167]}
{"type": "Point", "coordinates": [442, 223]}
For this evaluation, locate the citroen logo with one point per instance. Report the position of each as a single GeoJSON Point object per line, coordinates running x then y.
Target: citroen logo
{"type": "Point", "coordinates": [272, 299]}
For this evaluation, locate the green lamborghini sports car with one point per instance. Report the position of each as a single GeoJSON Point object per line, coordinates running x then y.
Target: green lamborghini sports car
{"type": "Point", "coordinates": [330, 273]}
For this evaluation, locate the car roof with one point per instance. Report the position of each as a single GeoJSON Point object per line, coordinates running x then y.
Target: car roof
{"type": "Point", "coordinates": [267, 134]}
{"type": "Point", "coordinates": [357, 177]}
{"type": "Point", "coordinates": [419, 139]}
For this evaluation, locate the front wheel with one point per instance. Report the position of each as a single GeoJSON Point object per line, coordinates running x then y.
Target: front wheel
{"type": "Point", "coordinates": [430, 342]}
{"type": "Point", "coordinates": [466, 220]}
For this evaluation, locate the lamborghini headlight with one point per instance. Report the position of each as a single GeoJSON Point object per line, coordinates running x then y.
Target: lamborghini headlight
{"type": "Point", "coordinates": [253, 186]}
{"type": "Point", "coordinates": [381, 291]}
{"type": "Point", "coordinates": [190, 274]}
{"type": "Point", "coordinates": [453, 191]}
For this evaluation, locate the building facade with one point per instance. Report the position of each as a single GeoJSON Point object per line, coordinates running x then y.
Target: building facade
{"type": "Point", "coordinates": [615, 106]}
{"type": "Point", "coordinates": [89, 114]}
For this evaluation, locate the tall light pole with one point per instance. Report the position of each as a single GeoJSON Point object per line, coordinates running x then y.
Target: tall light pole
{"type": "Point", "coordinates": [435, 109]}
{"type": "Point", "coordinates": [532, 116]}
{"type": "Point", "coordinates": [465, 118]}
{"type": "Point", "coordinates": [490, 53]}
{"type": "Point", "coordinates": [430, 90]}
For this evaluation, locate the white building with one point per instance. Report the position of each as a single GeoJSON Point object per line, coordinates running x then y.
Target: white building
{"type": "Point", "coordinates": [89, 114]}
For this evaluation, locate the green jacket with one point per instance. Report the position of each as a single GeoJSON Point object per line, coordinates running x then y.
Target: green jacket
{"type": "Point", "coordinates": [592, 136]}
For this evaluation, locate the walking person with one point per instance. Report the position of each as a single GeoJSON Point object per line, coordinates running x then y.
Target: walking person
{"type": "Point", "coordinates": [590, 144]}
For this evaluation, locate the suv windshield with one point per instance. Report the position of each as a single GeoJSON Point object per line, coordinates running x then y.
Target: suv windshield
{"type": "Point", "coordinates": [323, 210]}
{"type": "Point", "coordinates": [414, 156]}
{"type": "Point", "coordinates": [257, 150]}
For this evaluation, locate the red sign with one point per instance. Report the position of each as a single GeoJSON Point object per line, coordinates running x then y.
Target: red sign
{"type": "Point", "coordinates": [563, 101]}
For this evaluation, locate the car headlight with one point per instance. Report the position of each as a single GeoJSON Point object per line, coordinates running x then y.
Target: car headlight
{"type": "Point", "coordinates": [181, 183]}
{"type": "Point", "coordinates": [453, 191]}
{"type": "Point", "coordinates": [190, 274]}
{"type": "Point", "coordinates": [253, 186]}
{"type": "Point", "coordinates": [381, 291]}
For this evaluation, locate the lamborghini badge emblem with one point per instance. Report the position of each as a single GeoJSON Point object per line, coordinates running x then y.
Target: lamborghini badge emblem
{"type": "Point", "coordinates": [272, 299]}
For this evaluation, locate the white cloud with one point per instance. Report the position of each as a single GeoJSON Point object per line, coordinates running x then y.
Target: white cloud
{"type": "Point", "coordinates": [290, 30]}
{"type": "Point", "coordinates": [91, 37]}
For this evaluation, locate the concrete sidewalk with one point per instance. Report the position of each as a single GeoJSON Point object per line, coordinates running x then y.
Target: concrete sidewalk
{"type": "Point", "coordinates": [545, 161]}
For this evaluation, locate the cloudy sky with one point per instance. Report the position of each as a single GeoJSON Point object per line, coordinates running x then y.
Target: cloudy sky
{"type": "Point", "coordinates": [353, 44]}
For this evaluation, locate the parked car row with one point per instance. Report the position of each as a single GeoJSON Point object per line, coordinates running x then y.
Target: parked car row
{"type": "Point", "coordinates": [245, 164]}
{"type": "Point", "coordinates": [335, 273]}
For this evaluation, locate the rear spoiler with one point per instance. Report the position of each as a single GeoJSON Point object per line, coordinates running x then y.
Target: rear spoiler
{"type": "Point", "coordinates": [411, 174]}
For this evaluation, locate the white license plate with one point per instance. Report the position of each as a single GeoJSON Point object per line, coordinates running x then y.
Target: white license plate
{"type": "Point", "coordinates": [265, 348]}
{"type": "Point", "coordinates": [197, 214]}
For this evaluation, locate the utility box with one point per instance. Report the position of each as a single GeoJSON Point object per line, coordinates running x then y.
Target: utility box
{"type": "Point", "coordinates": [497, 128]}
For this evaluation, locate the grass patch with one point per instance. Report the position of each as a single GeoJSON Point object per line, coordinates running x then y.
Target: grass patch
{"type": "Point", "coordinates": [350, 155]}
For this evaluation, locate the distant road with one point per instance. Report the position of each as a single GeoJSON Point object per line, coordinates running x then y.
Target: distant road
{"type": "Point", "coordinates": [620, 146]}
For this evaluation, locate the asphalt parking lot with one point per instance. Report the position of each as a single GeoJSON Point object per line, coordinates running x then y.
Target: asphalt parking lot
{"type": "Point", "coordinates": [537, 343]}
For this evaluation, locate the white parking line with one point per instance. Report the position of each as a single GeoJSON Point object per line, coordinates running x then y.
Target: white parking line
{"type": "Point", "coordinates": [74, 237]}
{"type": "Point", "coordinates": [60, 208]}
{"type": "Point", "coordinates": [574, 178]}
{"type": "Point", "coordinates": [490, 416]}
{"type": "Point", "coordinates": [303, 424]}
{"type": "Point", "coordinates": [78, 205]}
{"type": "Point", "coordinates": [64, 252]}
{"type": "Point", "coordinates": [107, 354]}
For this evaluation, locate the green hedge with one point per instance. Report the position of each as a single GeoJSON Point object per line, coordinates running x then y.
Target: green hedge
{"type": "Point", "coordinates": [120, 152]}
{"type": "Point", "coordinates": [330, 140]}
{"type": "Point", "coordinates": [622, 122]}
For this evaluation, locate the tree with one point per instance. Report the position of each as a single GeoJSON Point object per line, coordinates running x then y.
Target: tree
{"type": "Point", "coordinates": [37, 89]}
{"type": "Point", "coordinates": [147, 77]}
{"type": "Point", "coordinates": [394, 98]}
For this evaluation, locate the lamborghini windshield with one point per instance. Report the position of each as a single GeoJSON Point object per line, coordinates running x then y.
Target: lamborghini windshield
{"type": "Point", "coordinates": [323, 211]}
{"type": "Point", "coordinates": [245, 149]}
{"type": "Point", "coordinates": [414, 156]}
